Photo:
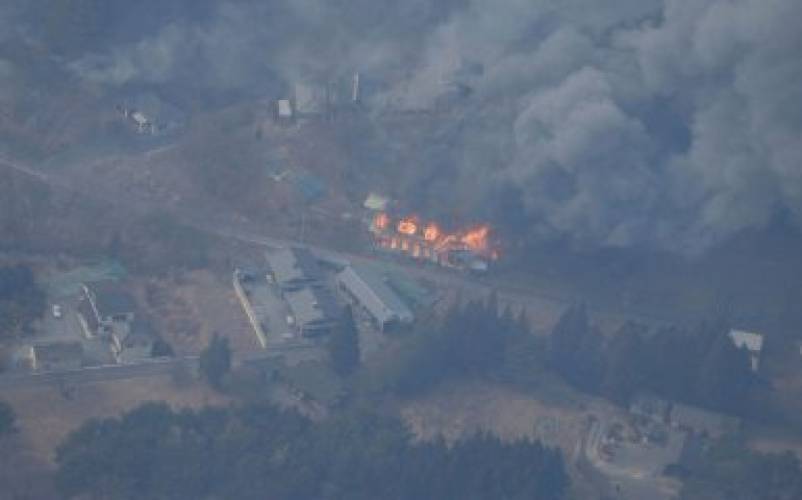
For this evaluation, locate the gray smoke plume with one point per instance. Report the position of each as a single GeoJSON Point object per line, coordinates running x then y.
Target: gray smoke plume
{"type": "Point", "coordinates": [673, 123]}
{"type": "Point", "coordinates": [670, 123]}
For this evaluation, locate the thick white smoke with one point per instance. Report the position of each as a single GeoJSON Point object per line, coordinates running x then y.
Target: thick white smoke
{"type": "Point", "coordinates": [671, 123]}
{"type": "Point", "coordinates": [592, 84]}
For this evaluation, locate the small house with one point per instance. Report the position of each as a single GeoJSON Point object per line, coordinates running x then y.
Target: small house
{"type": "Point", "coordinates": [284, 109]}
{"type": "Point", "coordinates": [105, 308]}
{"type": "Point", "coordinates": [106, 311]}
{"type": "Point", "coordinates": [752, 342]}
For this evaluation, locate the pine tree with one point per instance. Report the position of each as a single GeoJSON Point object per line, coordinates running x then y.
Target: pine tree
{"type": "Point", "coordinates": [215, 361]}
{"type": "Point", "coordinates": [7, 418]}
{"type": "Point", "coordinates": [344, 345]}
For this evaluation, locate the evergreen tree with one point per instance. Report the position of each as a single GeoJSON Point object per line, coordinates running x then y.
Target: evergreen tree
{"type": "Point", "coordinates": [567, 336]}
{"type": "Point", "coordinates": [623, 375]}
{"type": "Point", "coordinates": [343, 345]}
{"type": "Point", "coordinates": [7, 418]}
{"type": "Point", "coordinates": [725, 377]}
{"type": "Point", "coordinates": [215, 361]}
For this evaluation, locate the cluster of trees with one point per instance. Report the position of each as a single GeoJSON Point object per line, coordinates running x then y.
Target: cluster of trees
{"type": "Point", "coordinates": [473, 340]}
{"type": "Point", "coordinates": [731, 471]}
{"type": "Point", "coordinates": [21, 300]}
{"type": "Point", "coordinates": [7, 418]}
{"type": "Point", "coordinates": [701, 367]}
{"type": "Point", "coordinates": [215, 361]}
{"type": "Point", "coordinates": [343, 345]}
{"type": "Point", "coordinates": [260, 452]}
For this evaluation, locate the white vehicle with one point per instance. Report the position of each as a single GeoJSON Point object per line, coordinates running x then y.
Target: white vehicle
{"type": "Point", "coordinates": [57, 311]}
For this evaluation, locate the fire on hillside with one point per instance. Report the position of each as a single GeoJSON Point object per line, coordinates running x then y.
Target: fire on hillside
{"type": "Point", "coordinates": [469, 248]}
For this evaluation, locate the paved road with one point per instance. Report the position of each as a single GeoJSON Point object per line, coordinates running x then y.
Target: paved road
{"type": "Point", "coordinates": [104, 373]}
{"type": "Point", "coordinates": [226, 228]}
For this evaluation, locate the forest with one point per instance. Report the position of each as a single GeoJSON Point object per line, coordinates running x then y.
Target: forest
{"type": "Point", "coordinates": [729, 470]}
{"type": "Point", "coordinates": [21, 301]}
{"type": "Point", "coordinates": [258, 451]}
{"type": "Point", "coordinates": [698, 366]}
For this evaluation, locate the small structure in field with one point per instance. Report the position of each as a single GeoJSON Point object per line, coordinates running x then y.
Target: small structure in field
{"type": "Point", "coordinates": [752, 342]}
{"type": "Point", "coordinates": [107, 311]}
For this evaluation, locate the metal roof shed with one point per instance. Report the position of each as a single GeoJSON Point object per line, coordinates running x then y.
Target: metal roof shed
{"type": "Point", "coordinates": [293, 268]}
{"type": "Point", "coordinates": [373, 294]}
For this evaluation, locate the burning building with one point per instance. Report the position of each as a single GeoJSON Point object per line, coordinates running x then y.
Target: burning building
{"type": "Point", "coordinates": [465, 249]}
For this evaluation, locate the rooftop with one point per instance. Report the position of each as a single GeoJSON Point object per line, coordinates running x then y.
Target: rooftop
{"type": "Point", "coordinates": [86, 311]}
{"type": "Point", "coordinates": [293, 265]}
{"type": "Point", "coordinates": [376, 202]}
{"type": "Point", "coordinates": [110, 298]}
{"type": "Point", "coordinates": [752, 341]}
{"type": "Point", "coordinates": [375, 295]}
{"type": "Point", "coordinates": [312, 308]}
{"type": "Point", "coordinates": [284, 108]}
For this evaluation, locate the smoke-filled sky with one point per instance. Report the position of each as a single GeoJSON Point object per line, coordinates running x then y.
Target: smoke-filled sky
{"type": "Point", "coordinates": [668, 123]}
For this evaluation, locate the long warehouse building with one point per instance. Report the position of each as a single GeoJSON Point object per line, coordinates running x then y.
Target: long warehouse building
{"type": "Point", "coordinates": [374, 295]}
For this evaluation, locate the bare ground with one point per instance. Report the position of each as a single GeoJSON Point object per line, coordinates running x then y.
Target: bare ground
{"type": "Point", "coordinates": [461, 409]}
{"type": "Point", "coordinates": [189, 309]}
{"type": "Point", "coordinates": [45, 416]}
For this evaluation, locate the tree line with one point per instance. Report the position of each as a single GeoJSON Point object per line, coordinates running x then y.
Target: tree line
{"type": "Point", "coordinates": [259, 451]}
{"type": "Point", "coordinates": [729, 470]}
{"type": "Point", "coordinates": [21, 300]}
{"type": "Point", "coordinates": [472, 340]}
{"type": "Point", "coordinates": [700, 366]}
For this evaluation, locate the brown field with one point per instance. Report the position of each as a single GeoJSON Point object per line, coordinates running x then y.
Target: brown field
{"type": "Point", "coordinates": [457, 410]}
{"type": "Point", "coordinates": [187, 310]}
{"type": "Point", "coordinates": [45, 416]}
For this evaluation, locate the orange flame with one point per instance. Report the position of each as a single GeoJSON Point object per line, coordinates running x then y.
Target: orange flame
{"type": "Point", "coordinates": [476, 238]}
{"type": "Point", "coordinates": [408, 225]}
{"type": "Point", "coordinates": [432, 232]}
{"type": "Point", "coordinates": [381, 221]}
{"type": "Point", "coordinates": [429, 241]}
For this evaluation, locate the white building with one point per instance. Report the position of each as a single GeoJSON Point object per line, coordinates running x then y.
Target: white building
{"type": "Point", "coordinates": [753, 342]}
{"type": "Point", "coordinates": [284, 109]}
{"type": "Point", "coordinates": [143, 125]}
{"type": "Point", "coordinates": [376, 202]}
